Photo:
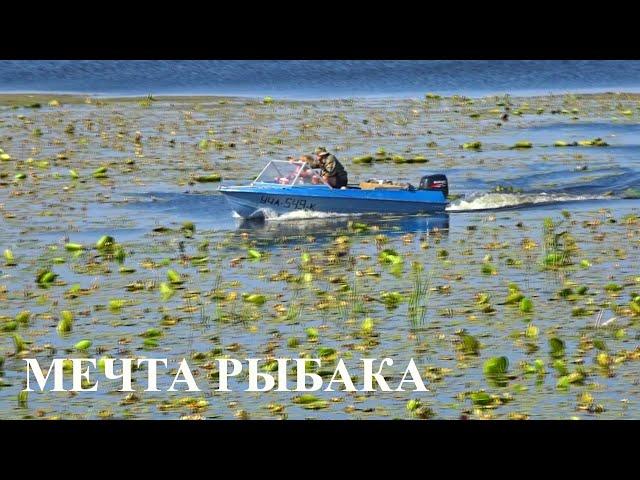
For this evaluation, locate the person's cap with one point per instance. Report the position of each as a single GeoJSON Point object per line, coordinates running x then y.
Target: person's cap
{"type": "Point", "coordinates": [320, 151]}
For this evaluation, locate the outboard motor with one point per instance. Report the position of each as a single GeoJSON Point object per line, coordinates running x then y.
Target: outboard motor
{"type": "Point", "coordinates": [435, 182]}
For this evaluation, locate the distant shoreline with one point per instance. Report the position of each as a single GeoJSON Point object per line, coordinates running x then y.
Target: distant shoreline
{"type": "Point", "coordinates": [22, 98]}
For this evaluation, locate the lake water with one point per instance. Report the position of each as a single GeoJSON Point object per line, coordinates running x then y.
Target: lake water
{"type": "Point", "coordinates": [318, 79]}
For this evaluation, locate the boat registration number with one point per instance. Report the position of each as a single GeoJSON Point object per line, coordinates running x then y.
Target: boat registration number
{"type": "Point", "coordinates": [287, 202]}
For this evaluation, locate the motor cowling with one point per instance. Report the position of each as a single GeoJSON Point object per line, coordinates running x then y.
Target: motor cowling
{"type": "Point", "coordinates": [435, 182]}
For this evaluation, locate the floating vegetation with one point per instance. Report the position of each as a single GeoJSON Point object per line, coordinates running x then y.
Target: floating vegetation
{"type": "Point", "coordinates": [174, 277]}
{"type": "Point", "coordinates": [105, 242]}
{"type": "Point", "coordinates": [469, 344]}
{"type": "Point", "coordinates": [83, 345]}
{"type": "Point", "coordinates": [166, 291]}
{"type": "Point", "coordinates": [471, 145]}
{"type": "Point", "coordinates": [46, 277]}
{"type": "Point", "coordinates": [213, 177]}
{"type": "Point", "coordinates": [506, 189]}
{"type": "Point", "coordinates": [556, 347]}
{"type": "Point", "coordinates": [526, 305]}
{"type": "Point", "coordinates": [9, 259]}
{"type": "Point", "coordinates": [522, 144]}
{"type": "Point", "coordinates": [391, 299]}
{"type": "Point", "coordinates": [254, 254]}
{"type": "Point", "coordinates": [100, 172]}
{"type": "Point", "coordinates": [255, 298]}
{"type": "Point", "coordinates": [596, 142]}
{"type": "Point", "coordinates": [390, 257]}
{"type": "Point", "coordinates": [102, 256]}
{"type": "Point", "coordinates": [496, 366]}
{"type": "Point", "coordinates": [558, 248]}
{"type": "Point", "coordinates": [73, 247]}
{"type": "Point", "coordinates": [66, 322]}
{"type": "Point", "coordinates": [365, 159]}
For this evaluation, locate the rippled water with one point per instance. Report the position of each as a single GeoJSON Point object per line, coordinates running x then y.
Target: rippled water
{"type": "Point", "coordinates": [318, 79]}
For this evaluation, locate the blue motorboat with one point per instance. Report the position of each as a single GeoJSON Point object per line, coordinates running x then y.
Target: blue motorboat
{"type": "Point", "coordinates": [284, 187]}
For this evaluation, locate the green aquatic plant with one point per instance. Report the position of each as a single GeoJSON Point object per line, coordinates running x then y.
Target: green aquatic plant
{"type": "Point", "coordinates": [515, 295]}
{"type": "Point", "coordinates": [558, 248]}
{"type": "Point", "coordinates": [66, 322]}
{"type": "Point", "coordinates": [100, 172]}
{"type": "Point", "coordinates": [166, 292]}
{"type": "Point", "coordinates": [312, 334]}
{"type": "Point", "coordinates": [565, 381]}
{"type": "Point", "coordinates": [105, 242]}
{"type": "Point", "coordinates": [526, 305]}
{"type": "Point", "coordinates": [83, 345]}
{"type": "Point", "coordinates": [390, 257]}
{"type": "Point", "coordinates": [211, 178]}
{"type": "Point", "coordinates": [174, 277]}
{"type": "Point", "coordinates": [391, 299]}
{"type": "Point", "coordinates": [116, 304]}
{"type": "Point", "coordinates": [596, 142]}
{"type": "Point", "coordinates": [367, 326]}
{"type": "Point", "coordinates": [19, 344]}
{"type": "Point", "coordinates": [365, 159]}
{"type": "Point", "coordinates": [522, 144]}
{"type": "Point", "coordinates": [255, 298]}
{"type": "Point", "coordinates": [495, 366]}
{"type": "Point", "coordinates": [9, 258]}
{"type": "Point", "coordinates": [46, 277]}
{"type": "Point", "coordinates": [9, 326]}
{"type": "Point", "coordinates": [119, 255]}
{"type": "Point", "coordinates": [254, 254]}
{"type": "Point", "coordinates": [556, 347]}
{"type": "Point", "coordinates": [469, 344]}
{"type": "Point", "coordinates": [481, 398]}
{"type": "Point", "coordinates": [612, 287]}
{"type": "Point", "coordinates": [352, 305]}
{"type": "Point", "coordinates": [471, 145]}
{"type": "Point", "coordinates": [310, 402]}
{"type": "Point", "coordinates": [488, 269]}
{"type": "Point", "coordinates": [73, 247]}
{"type": "Point", "coordinates": [419, 295]}
{"type": "Point", "coordinates": [506, 189]}
{"type": "Point", "coordinates": [23, 317]}
{"type": "Point", "coordinates": [531, 331]}
{"type": "Point", "coordinates": [147, 102]}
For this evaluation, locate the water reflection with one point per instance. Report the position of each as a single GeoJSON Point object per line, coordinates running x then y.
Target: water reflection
{"type": "Point", "coordinates": [327, 228]}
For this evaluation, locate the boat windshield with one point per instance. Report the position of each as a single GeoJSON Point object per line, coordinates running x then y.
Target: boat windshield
{"type": "Point", "coordinates": [281, 172]}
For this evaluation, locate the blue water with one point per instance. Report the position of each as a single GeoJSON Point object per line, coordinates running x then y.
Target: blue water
{"type": "Point", "coordinates": [319, 79]}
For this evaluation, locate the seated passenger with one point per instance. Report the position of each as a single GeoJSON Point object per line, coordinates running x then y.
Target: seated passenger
{"type": "Point", "coordinates": [333, 173]}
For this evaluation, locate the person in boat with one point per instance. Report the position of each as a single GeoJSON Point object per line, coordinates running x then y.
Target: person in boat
{"type": "Point", "coordinates": [333, 173]}
{"type": "Point", "coordinates": [307, 174]}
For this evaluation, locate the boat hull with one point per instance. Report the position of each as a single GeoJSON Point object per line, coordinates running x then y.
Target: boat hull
{"type": "Point", "coordinates": [252, 201]}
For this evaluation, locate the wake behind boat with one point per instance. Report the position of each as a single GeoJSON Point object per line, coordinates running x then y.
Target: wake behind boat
{"type": "Point", "coordinates": [284, 187]}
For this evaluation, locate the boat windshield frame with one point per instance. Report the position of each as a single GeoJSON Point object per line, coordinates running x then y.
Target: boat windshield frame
{"type": "Point", "coordinates": [291, 182]}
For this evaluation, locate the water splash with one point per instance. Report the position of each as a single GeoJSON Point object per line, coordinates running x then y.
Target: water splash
{"type": "Point", "coordinates": [305, 215]}
{"type": "Point", "coordinates": [493, 201]}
